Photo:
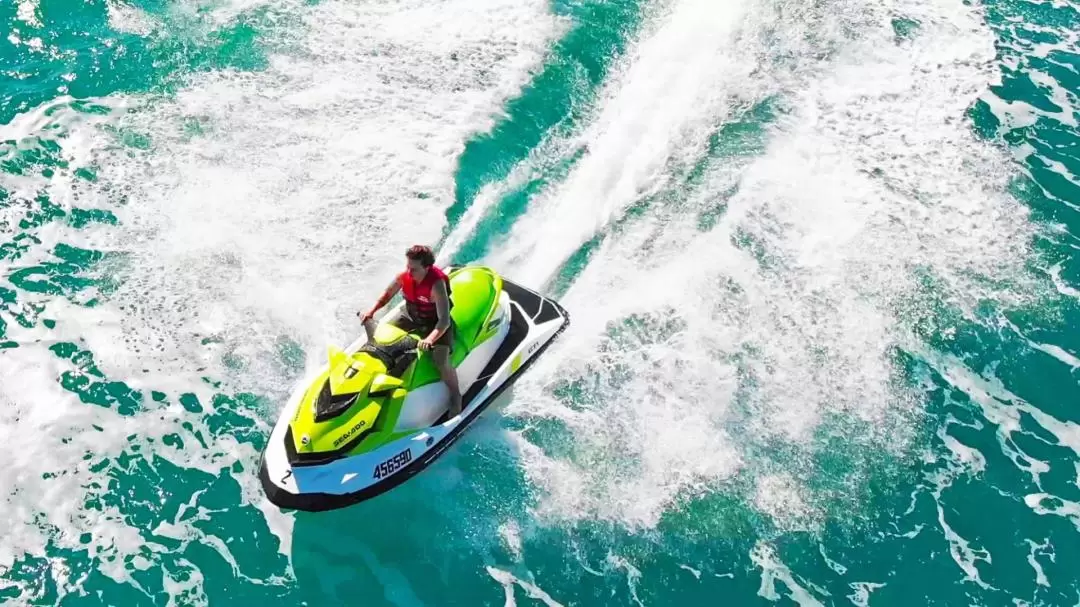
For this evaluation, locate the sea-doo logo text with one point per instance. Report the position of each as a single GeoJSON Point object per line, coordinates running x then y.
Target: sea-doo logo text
{"type": "Point", "coordinates": [353, 430]}
{"type": "Point", "coordinates": [391, 465]}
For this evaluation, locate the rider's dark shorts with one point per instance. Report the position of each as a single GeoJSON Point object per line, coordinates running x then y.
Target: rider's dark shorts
{"type": "Point", "coordinates": [406, 323]}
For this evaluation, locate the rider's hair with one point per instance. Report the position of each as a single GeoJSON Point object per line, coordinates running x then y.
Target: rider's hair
{"type": "Point", "coordinates": [422, 254]}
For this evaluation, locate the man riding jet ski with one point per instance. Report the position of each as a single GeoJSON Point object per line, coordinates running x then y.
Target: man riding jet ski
{"type": "Point", "coordinates": [385, 407]}
{"type": "Point", "coordinates": [427, 312]}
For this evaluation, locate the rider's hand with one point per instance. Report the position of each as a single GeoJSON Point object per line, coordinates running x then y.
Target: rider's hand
{"type": "Point", "coordinates": [365, 316]}
{"type": "Point", "coordinates": [425, 344]}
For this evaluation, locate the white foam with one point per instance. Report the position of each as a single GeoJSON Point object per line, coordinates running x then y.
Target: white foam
{"type": "Point", "coordinates": [510, 532]}
{"type": "Point", "coordinates": [968, 457]}
{"type": "Point", "coordinates": [961, 551]}
{"type": "Point", "coordinates": [633, 575]}
{"type": "Point", "coordinates": [1057, 352]}
{"type": "Point", "coordinates": [861, 596]}
{"type": "Point", "coordinates": [27, 12]}
{"type": "Point", "coordinates": [672, 87]}
{"type": "Point", "coordinates": [1044, 503]}
{"type": "Point", "coordinates": [1020, 114]}
{"type": "Point", "coordinates": [47, 431]}
{"type": "Point", "coordinates": [268, 207]}
{"type": "Point", "coordinates": [1060, 284]}
{"type": "Point", "coordinates": [870, 177]}
{"type": "Point", "coordinates": [1039, 549]}
{"type": "Point", "coordinates": [28, 383]}
{"type": "Point", "coordinates": [1059, 96]}
{"type": "Point", "coordinates": [772, 571]}
{"type": "Point", "coordinates": [293, 211]}
{"type": "Point", "coordinates": [125, 17]}
{"type": "Point", "coordinates": [181, 182]}
{"type": "Point", "coordinates": [187, 592]}
{"type": "Point", "coordinates": [781, 497]}
{"type": "Point", "coordinates": [1001, 407]}
{"type": "Point", "coordinates": [695, 572]}
{"type": "Point", "coordinates": [835, 566]}
{"type": "Point", "coordinates": [508, 580]}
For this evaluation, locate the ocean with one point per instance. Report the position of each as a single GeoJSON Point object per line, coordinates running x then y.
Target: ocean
{"type": "Point", "coordinates": [820, 259]}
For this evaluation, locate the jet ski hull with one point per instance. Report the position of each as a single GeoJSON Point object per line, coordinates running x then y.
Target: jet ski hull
{"type": "Point", "coordinates": [535, 323]}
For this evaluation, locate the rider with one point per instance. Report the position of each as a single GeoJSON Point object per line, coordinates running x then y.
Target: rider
{"type": "Point", "coordinates": [427, 310]}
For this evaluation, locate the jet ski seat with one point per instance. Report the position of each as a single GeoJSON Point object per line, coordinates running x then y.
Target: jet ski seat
{"type": "Point", "coordinates": [396, 355]}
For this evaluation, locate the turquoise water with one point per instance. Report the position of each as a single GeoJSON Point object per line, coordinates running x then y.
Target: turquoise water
{"type": "Point", "coordinates": [820, 260]}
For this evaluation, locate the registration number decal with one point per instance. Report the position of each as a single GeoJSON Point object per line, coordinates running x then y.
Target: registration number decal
{"type": "Point", "coordinates": [390, 466]}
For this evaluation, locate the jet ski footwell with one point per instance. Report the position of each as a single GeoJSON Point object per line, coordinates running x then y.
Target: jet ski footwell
{"type": "Point", "coordinates": [535, 322]}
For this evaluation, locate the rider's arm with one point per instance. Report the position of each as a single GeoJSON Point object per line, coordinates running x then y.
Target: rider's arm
{"type": "Point", "coordinates": [442, 304]}
{"type": "Point", "coordinates": [387, 295]}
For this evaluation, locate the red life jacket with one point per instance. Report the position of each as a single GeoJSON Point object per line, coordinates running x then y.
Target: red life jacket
{"type": "Point", "coordinates": [419, 301]}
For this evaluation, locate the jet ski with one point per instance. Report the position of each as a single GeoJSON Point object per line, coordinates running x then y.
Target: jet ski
{"type": "Point", "coordinates": [377, 413]}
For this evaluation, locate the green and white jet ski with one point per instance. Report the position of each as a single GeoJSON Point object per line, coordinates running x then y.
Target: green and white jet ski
{"type": "Point", "coordinates": [376, 414]}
